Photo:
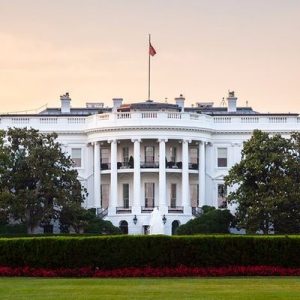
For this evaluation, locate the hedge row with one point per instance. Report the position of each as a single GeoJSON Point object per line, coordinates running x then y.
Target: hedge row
{"type": "Point", "coordinates": [115, 252]}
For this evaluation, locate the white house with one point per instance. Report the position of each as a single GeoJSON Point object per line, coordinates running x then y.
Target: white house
{"type": "Point", "coordinates": [135, 157]}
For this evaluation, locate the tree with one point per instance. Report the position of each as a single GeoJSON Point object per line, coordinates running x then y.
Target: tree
{"type": "Point", "coordinates": [85, 221]}
{"type": "Point", "coordinates": [265, 184]}
{"type": "Point", "coordinates": [38, 180]}
{"type": "Point", "coordinates": [210, 221]}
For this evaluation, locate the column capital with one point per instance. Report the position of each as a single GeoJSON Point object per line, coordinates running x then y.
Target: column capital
{"type": "Point", "coordinates": [94, 143]}
{"type": "Point", "coordinates": [136, 140]}
{"type": "Point", "coordinates": [188, 141]}
{"type": "Point", "coordinates": [163, 140]}
{"type": "Point", "coordinates": [112, 141]}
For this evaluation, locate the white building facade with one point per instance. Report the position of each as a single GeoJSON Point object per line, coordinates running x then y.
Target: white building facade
{"type": "Point", "coordinates": [133, 158]}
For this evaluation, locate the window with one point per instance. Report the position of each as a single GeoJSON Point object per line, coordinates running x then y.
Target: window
{"type": "Point", "coordinates": [173, 153]}
{"type": "Point", "coordinates": [126, 195]}
{"type": "Point", "coordinates": [194, 193]}
{"type": "Point", "coordinates": [175, 225]}
{"type": "Point", "coordinates": [222, 157]}
{"type": "Point", "coordinates": [104, 195]}
{"type": "Point", "coordinates": [125, 156]}
{"type": "Point", "coordinates": [222, 192]}
{"type": "Point", "coordinates": [193, 155]}
{"type": "Point", "coordinates": [76, 157]}
{"type": "Point", "coordinates": [149, 154]}
{"type": "Point", "coordinates": [149, 194]}
{"type": "Point", "coordinates": [173, 195]}
{"type": "Point", "coordinates": [104, 155]}
{"type": "Point", "coordinates": [124, 227]}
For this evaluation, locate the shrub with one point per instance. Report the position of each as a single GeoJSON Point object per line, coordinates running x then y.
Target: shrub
{"type": "Point", "coordinates": [210, 221]}
{"type": "Point", "coordinates": [115, 252]}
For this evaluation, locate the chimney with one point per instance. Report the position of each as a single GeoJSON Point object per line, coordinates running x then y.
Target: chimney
{"type": "Point", "coordinates": [231, 99]}
{"type": "Point", "coordinates": [65, 103]}
{"type": "Point", "coordinates": [180, 102]}
{"type": "Point", "coordinates": [117, 102]}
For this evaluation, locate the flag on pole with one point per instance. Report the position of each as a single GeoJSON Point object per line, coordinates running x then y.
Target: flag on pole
{"type": "Point", "coordinates": [152, 51]}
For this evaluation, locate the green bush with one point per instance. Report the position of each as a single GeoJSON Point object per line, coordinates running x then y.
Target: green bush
{"type": "Point", "coordinates": [13, 229]}
{"type": "Point", "coordinates": [110, 252]}
{"type": "Point", "coordinates": [210, 221]}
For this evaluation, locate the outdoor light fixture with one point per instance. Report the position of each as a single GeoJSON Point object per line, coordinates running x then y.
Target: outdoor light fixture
{"type": "Point", "coordinates": [135, 219]}
{"type": "Point", "coordinates": [164, 219]}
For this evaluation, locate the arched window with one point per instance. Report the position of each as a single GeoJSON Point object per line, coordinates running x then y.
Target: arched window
{"type": "Point", "coordinates": [124, 227]}
{"type": "Point", "coordinates": [175, 225]}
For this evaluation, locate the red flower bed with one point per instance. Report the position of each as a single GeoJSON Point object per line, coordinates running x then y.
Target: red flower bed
{"type": "Point", "coordinates": [180, 271]}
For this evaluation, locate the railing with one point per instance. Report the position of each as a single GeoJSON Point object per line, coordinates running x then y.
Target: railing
{"type": "Point", "coordinates": [175, 209]}
{"type": "Point", "coordinates": [149, 165]}
{"type": "Point", "coordinates": [149, 115]}
{"type": "Point", "coordinates": [222, 119]}
{"type": "Point", "coordinates": [125, 165]}
{"type": "Point", "coordinates": [197, 211]}
{"type": "Point", "coordinates": [105, 166]}
{"type": "Point", "coordinates": [48, 120]}
{"type": "Point", "coordinates": [174, 115]}
{"type": "Point", "coordinates": [174, 165]}
{"type": "Point", "coordinates": [123, 210]}
{"type": "Point", "coordinates": [102, 212]}
{"type": "Point", "coordinates": [147, 209]}
{"type": "Point", "coordinates": [126, 115]}
{"type": "Point", "coordinates": [193, 166]}
{"type": "Point", "coordinates": [277, 119]}
{"type": "Point", "coordinates": [76, 120]}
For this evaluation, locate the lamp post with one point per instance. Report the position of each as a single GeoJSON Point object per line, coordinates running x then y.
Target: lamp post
{"type": "Point", "coordinates": [135, 219]}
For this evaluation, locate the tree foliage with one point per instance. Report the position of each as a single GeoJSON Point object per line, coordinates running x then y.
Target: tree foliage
{"type": "Point", "coordinates": [37, 178]}
{"type": "Point", "coordinates": [85, 221]}
{"type": "Point", "coordinates": [265, 184]}
{"type": "Point", "coordinates": [210, 221]}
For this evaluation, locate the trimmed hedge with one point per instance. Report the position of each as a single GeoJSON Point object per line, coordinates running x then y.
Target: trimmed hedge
{"type": "Point", "coordinates": [115, 252]}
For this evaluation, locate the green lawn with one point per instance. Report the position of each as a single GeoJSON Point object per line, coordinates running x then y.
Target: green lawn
{"type": "Point", "coordinates": [251, 288]}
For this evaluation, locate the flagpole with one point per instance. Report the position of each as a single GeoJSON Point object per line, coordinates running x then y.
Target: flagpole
{"type": "Point", "coordinates": [149, 67]}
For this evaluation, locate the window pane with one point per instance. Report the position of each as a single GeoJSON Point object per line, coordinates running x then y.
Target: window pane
{"type": "Point", "coordinates": [125, 195]}
{"type": "Point", "coordinates": [149, 194]}
{"type": "Point", "coordinates": [173, 151]}
{"type": "Point", "coordinates": [149, 154]}
{"type": "Point", "coordinates": [104, 195]}
{"type": "Point", "coordinates": [222, 192]}
{"type": "Point", "coordinates": [125, 154]}
{"type": "Point", "coordinates": [76, 157]}
{"type": "Point", "coordinates": [193, 155]}
{"type": "Point", "coordinates": [222, 157]}
{"type": "Point", "coordinates": [194, 190]}
{"type": "Point", "coordinates": [173, 195]}
{"type": "Point", "coordinates": [104, 155]}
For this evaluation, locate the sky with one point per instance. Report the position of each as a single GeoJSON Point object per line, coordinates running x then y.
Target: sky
{"type": "Point", "coordinates": [98, 50]}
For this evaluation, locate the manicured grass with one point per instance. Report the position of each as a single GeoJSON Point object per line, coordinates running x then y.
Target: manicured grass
{"type": "Point", "coordinates": [251, 288]}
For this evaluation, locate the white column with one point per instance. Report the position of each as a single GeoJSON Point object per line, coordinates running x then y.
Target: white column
{"type": "Point", "coordinates": [186, 203]}
{"type": "Point", "coordinates": [201, 176]}
{"type": "Point", "coordinates": [136, 205]}
{"type": "Point", "coordinates": [162, 176]}
{"type": "Point", "coordinates": [113, 177]}
{"type": "Point", "coordinates": [97, 176]}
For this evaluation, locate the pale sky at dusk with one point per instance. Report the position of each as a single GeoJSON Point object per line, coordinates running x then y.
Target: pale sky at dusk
{"type": "Point", "coordinates": [98, 50]}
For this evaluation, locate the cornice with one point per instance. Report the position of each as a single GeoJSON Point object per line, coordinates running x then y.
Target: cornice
{"type": "Point", "coordinates": [159, 128]}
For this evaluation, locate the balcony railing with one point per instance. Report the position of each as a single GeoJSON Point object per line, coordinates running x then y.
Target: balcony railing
{"type": "Point", "coordinates": [123, 210]}
{"type": "Point", "coordinates": [125, 165]}
{"type": "Point", "coordinates": [173, 165]}
{"type": "Point", "coordinates": [149, 165]}
{"type": "Point", "coordinates": [196, 211]}
{"type": "Point", "coordinates": [147, 209]}
{"type": "Point", "coordinates": [102, 212]}
{"type": "Point", "coordinates": [193, 166]}
{"type": "Point", "coordinates": [105, 166]}
{"type": "Point", "coordinates": [175, 209]}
